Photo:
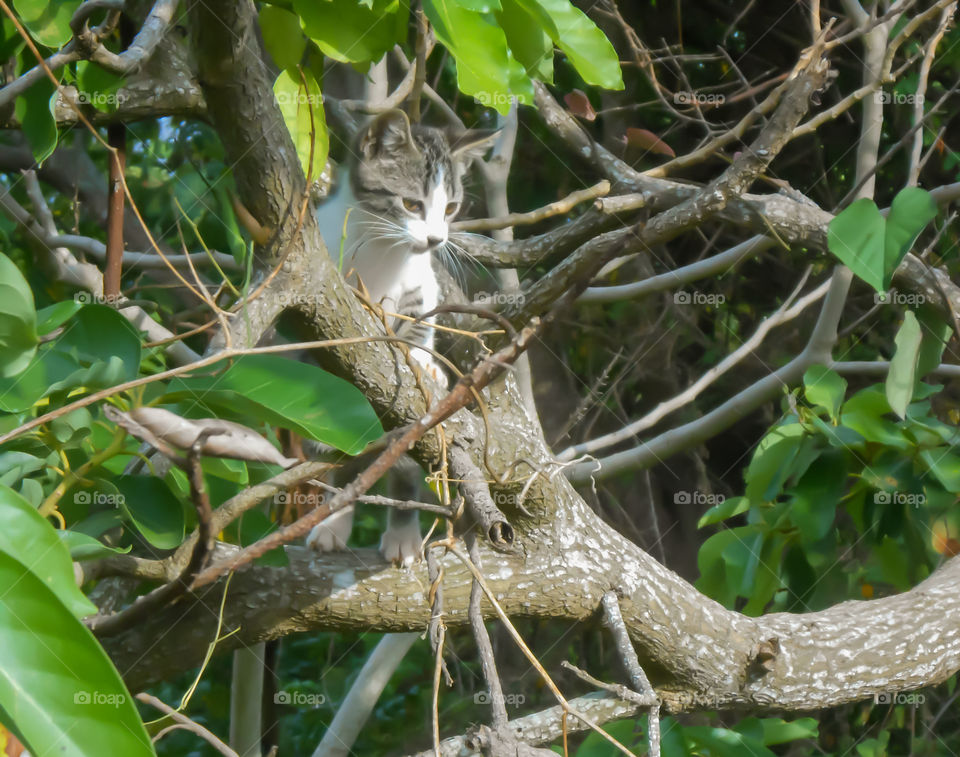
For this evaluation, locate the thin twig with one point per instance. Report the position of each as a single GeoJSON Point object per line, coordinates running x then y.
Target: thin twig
{"type": "Point", "coordinates": [186, 723]}
{"type": "Point", "coordinates": [560, 207]}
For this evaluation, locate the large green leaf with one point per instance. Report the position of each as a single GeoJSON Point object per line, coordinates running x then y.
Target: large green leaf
{"type": "Point", "coordinates": [282, 36]}
{"type": "Point", "coordinates": [902, 375]}
{"type": "Point", "coordinates": [153, 509]}
{"type": "Point", "coordinates": [486, 69]}
{"type": "Point", "coordinates": [585, 45]}
{"type": "Point", "coordinates": [864, 413]}
{"type": "Point", "coordinates": [34, 109]}
{"type": "Point", "coordinates": [18, 320]}
{"type": "Point", "coordinates": [302, 110]}
{"type": "Point", "coordinates": [30, 540]}
{"type": "Point", "coordinates": [98, 348]}
{"type": "Point", "coordinates": [873, 246]}
{"type": "Point", "coordinates": [58, 688]}
{"type": "Point", "coordinates": [286, 393]}
{"type": "Point", "coordinates": [351, 32]}
{"type": "Point", "coordinates": [529, 44]}
{"type": "Point", "coordinates": [48, 22]}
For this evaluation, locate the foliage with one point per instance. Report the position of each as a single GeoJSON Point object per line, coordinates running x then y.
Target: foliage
{"type": "Point", "coordinates": [849, 493]}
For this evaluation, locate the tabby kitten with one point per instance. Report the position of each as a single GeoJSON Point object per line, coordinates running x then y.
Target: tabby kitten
{"type": "Point", "coordinates": [387, 218]}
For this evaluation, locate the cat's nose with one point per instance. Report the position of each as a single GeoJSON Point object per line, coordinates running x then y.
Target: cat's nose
{"type": "Point", "coordinates": [434, 241]}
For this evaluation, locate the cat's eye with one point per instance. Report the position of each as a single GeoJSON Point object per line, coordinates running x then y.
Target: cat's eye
{"type": "Point", "coordinates": [413, 206]}
{"type": "Point", "coordinates": [452, 207]}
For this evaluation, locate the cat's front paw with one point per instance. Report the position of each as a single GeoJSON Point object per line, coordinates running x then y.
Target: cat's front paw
{"type": "Point", "coordinates": [401, 543]}
{"type": "Point", "coordinates": [332, 533]}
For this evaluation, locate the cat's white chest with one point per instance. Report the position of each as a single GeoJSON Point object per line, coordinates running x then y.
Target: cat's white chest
{"type": "Point", "coordinates": [388, 266]}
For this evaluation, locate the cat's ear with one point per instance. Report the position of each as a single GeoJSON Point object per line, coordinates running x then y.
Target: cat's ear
{"type": "Point", "coordinates": [388, 133]}
{"type": "Point", "coordinates": [470, 145]}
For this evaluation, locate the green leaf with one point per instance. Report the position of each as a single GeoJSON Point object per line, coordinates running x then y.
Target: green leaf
{"type": "Point", "coordinates": [302, 110]}
{"type": "Point", "coordinates": [944, 465]}
{"type": "Point", "coordinates": [18, 320]}
{"type": "Point", "coordinates": [902, 375]}
{"type": "Point", "coordinates": [83, 547]}
{"type": "Point", "coordinates": [286, 393]}
{"type": "Point", "coordinates": [97, 349]}
{"type": "Point", "coordinates": [585, 45]}
{"type": "Point", "coordinates": [352, 32]}
{"type": "Point", "coordinates": [764, 582]}
{"type": "Point", "coordinates": [530, 45]}
{"type": "Point", "coordinates": [153, 510]}
{"type": "Point", "coordinates": [15, 465]}
{"type": "Point", "coordinates": [252, 527]}
{"type": "Point", "coordinates": [911, 210]}
{"type": "Point", "coordinates": [98, 87]}
{"type": "Point", "coordinates": [54, 316]}
{"type": "Point", "coordinates": [772, 462]}
{"type": "Point", "coordinates": [58, 688]}
{"type": "Point", "coordinates": [33, 543]}
{"type": "Point", "coordinates": [722, 742]}
{"type": "Point", "coordinates": [34, 109]}
{"type": "Point", "coordinates": [486, 69]}
{"type": "Point", "coordinates": [480, 6]}
{"type": "Point", "coordinates": [873, 246]}
{"type": "Point", "coordinates": [864, 412]}
{"type": "Point", "coordinates": [48, 22]}
{"type": "Point", "coordinates": [727, 509]}
{"type": "Point", "coordinates": [771, 731]}
{"type": "Point", "coordinates": [73, 426]}
{"type": "Point", "coordinates": [936, 334]}
{"type": "Point", "coordinates": [825, 388]}
{"type": "Point", "coordinates": [282, 36]}
{"type": "Point", "coordinates": [724, 560]}
{"type": "Point", "coordinates": [817, 495]}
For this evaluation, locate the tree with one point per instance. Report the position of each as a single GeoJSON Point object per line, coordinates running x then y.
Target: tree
{"type": "Point", "coordinates": [678, 218]}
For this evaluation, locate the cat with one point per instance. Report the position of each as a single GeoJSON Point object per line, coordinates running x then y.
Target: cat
{"type": "Point", "coordinates": [388, 215]}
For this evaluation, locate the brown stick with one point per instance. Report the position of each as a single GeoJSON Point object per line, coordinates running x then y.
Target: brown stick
{"type": "Point", "coordinates": [117, 138]}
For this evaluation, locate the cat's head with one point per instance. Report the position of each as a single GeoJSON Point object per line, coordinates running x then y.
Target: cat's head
{"type": "Point", "coordinates": [412, 176]}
